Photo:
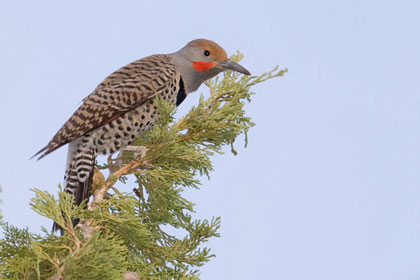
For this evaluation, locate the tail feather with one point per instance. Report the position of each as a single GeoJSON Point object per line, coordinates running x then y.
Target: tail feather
{"type": "Point", "coordinates": [78, 179]}
{"type": "Point", "coordinates": [83, 192]}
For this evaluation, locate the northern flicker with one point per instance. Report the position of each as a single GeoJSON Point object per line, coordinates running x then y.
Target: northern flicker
{"type": "Point", "coordinates": [121, 107]}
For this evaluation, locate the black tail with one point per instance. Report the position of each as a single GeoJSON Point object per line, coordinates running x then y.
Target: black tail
{"type": "Point", "coordinates": [78, 180]}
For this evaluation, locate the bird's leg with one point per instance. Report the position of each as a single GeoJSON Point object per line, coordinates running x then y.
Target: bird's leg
{"type": "Point", "coordinates": [139, 151]}
{"type": "Point", "coordinates": [113, 165]}
{"type": "Point", "coordinates": [124, 157]}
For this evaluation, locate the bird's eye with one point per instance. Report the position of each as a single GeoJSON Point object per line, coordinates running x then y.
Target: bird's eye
{"type": "Point", "coordinates": [206, 53]}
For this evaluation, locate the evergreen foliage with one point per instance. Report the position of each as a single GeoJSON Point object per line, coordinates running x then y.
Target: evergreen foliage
{"type": "Point", "coordinates": [120, 232]}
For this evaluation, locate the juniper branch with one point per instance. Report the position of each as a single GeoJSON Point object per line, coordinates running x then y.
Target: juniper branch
{"type": "Point", "coordinates": [124, 235]}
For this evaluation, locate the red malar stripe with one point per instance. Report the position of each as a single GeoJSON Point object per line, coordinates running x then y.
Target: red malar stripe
{"type": "Point", "coordinates": [201, 66]}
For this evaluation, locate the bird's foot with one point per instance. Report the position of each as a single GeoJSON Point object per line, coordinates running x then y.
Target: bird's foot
{"type": "Point", "coordinates": [139, 151]}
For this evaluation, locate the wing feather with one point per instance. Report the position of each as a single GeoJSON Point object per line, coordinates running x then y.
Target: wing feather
{"type": "Point", "coordinates": [125, 89]}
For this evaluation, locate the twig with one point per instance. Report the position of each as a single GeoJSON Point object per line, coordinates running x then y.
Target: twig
{"type": "Point", "coordinates": [99, 194]}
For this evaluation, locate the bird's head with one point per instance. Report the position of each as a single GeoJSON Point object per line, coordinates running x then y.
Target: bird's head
{"type": "Point", "coordinates": [203, 59]}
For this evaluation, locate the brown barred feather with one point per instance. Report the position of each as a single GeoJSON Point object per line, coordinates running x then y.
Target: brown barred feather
{"type": "Point", "coordinates": [122, 91]}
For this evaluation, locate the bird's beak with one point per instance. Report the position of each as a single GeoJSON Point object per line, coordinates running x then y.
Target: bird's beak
{"type": "Point", "coordinates": [230, 65]}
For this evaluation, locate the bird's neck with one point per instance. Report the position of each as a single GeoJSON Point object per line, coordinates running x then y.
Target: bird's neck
{"type": "Point", "coordinates": [191, 78]}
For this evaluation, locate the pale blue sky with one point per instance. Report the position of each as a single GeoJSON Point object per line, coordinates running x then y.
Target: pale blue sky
{"type": "Point", "coordinates": [329, 186]}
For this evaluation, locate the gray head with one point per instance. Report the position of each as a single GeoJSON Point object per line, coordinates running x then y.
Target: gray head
{"type": "Point", "coordinates": [200, 60]}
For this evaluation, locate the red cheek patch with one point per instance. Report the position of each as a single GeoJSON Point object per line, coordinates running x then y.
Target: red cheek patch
{"type": "Point", "coordinates": [201, 66]}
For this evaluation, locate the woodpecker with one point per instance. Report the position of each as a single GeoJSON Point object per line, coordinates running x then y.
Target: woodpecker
{"type": "Point", "coordinates": [121, 107]}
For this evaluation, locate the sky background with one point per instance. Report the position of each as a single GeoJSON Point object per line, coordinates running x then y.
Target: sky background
{"type": "Point", "coordinates": [329, 186]}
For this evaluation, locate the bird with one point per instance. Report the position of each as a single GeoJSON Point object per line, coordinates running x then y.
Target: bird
{"type": "Point", "coordinates": [122, 108]}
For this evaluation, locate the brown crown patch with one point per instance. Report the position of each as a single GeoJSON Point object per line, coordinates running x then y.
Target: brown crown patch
{"type": "Point", "coordinates": [216, 51]}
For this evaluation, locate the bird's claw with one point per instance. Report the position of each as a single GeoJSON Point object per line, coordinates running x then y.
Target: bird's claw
{"type": "Point", "coordinates": [138, 151]}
